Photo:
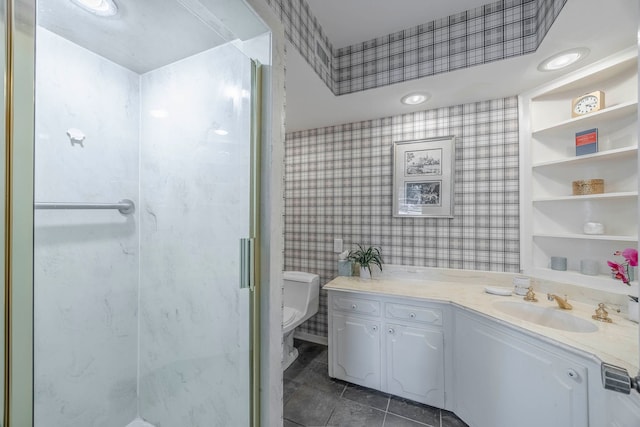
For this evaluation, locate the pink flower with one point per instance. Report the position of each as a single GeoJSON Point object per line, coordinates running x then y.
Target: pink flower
{"type": "Point", "coordinates": [620, 271]}
{"type": "Point", "coordinates": [631, 255]}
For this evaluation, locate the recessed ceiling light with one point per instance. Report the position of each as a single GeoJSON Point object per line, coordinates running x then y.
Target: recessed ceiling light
{"type": "Point", "coordinates": [563, 59]}
{"type": "Point", "coordinates": [221, 132]}
{"type": "Point", "coordinates": [414, 98]}
{"type": "Point", "coordinates": [98, 7]}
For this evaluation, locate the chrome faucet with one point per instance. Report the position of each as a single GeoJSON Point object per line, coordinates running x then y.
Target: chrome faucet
{"type": "Point", "coordinates": [562, 302]}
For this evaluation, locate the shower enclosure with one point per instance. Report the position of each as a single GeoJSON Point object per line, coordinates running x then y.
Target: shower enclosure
{"type": "Point", "coordinates": [144, 185]}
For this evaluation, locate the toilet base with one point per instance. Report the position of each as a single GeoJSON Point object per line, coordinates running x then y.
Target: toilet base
{"type": "Point", "coordinates": [290, 352]}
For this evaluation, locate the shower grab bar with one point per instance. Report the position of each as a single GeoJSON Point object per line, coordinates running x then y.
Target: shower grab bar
{"type": "Point", "coordinates": [125, 206]}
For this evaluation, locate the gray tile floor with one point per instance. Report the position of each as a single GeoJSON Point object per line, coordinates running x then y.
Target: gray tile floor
{"type": "Point", "coordinates": [313, 399]}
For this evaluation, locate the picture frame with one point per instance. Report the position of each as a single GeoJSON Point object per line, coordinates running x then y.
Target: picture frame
{"type": "Point", "coordinates": [423, 177]}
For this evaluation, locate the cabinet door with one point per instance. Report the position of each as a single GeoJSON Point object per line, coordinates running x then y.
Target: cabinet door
{"type": "Point", "coordinates": [622, 410]}
{"type": "Point", "coordinates": [415, 363]}
{"type": "Point", "coordinates": [356, 350]}
{"type": "Point", "coordinates": [503, 380]}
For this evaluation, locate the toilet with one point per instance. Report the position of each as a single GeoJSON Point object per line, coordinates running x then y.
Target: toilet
{"type": "Point", "coordinates": [301, 295]}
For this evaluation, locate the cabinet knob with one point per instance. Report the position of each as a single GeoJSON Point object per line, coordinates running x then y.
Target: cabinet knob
{"type": "Point", "coordinates": [391, 331]}
{"type": "Point", "coordinates": [354, 306]}
{"type": "Point", "coordinates": [375, 328]}
{"type": "Point", "coordinates": [412, 315]}
{"type": "Point", "coordinates": [573, 374]}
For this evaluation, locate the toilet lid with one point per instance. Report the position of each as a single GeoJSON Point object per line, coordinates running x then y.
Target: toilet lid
{"type": "Point", "coordinates": [288, 315]}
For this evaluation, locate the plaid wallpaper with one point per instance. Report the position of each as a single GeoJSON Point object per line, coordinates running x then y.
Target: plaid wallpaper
{"type": "Point", "coordinates": [487, 33]}
{"type": "Point", "coordinates": [338, 184]}
{"type": "Point", "coordinates": [303, 31]}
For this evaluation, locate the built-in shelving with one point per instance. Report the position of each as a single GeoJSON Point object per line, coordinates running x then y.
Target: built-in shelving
{"type": "Point", "coordinates": [589, 237]}
{"type": "Point", "coordinates": [605, 115]}
{"type": "Point", "coordinates": [553, 218]}
{"type": "Point", "coordinates": [603, 196]}
{"type": "Point", "coordinates": [608, 154]}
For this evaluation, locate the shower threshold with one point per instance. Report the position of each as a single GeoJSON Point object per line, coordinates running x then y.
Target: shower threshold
{"type": "Point", "coordinates": [139, 422]}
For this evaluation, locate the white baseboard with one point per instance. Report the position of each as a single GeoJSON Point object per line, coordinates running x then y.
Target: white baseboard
{"type": "Point", "coordinates": [311, 338]}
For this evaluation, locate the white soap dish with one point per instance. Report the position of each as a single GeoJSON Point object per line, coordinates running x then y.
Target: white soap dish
{"type": "Point", "coordinates": [497, 291]}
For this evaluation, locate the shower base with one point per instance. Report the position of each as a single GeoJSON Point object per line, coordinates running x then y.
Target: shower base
{"type": "Point", "coordinates": [139, 422]}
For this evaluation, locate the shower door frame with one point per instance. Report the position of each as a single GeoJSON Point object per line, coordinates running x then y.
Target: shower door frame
{"type": "Point", "coordinates": [254, 231]}
{"type": "Point", "coordinates": [19, 71]}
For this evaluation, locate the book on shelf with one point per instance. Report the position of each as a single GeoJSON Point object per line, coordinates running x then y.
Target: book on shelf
{"type": "Point", "coordinates": [587, 142]}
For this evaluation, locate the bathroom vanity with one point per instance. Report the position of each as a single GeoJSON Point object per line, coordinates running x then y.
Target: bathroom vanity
{"type": "Point", "coordinates": [388, 344]}
{"type": "Point", "coordinates": [449, 345]}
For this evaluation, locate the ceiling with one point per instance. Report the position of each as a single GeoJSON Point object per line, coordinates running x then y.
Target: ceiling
{"type": "Point", "coordinates": [147, 34]}
{"type": "Point", "coordinates": [354, 21]}
{"type": "Point", "coordinates": [604, 27]}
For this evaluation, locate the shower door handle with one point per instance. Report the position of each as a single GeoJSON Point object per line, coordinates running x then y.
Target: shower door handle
{"type": "Point", "coordinates": [246, 263]}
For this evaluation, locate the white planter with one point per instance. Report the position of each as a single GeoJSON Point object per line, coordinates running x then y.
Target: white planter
{"type": "Point", "coordinates": [634, 311]}
{"type": "Point", "coordinates": [375, 272]}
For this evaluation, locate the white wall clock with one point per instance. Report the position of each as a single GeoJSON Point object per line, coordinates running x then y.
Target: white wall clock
{"type": "Point", "coordinates": [587, 103]}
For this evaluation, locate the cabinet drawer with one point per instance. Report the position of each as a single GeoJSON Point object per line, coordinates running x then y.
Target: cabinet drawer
{"type": "Point", "coordinates": [412, 313]}
{"type": "Point", "coordinates": [356, 305]}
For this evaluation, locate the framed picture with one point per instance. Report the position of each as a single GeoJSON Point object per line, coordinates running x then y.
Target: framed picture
{"type": "Point", "coordinates": [423, 177]}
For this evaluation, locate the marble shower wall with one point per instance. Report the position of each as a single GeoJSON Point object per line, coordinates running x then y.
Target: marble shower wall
{"type": "Point", "coordinates": [151, 139]}
{"type": "Point", "coordinates": [192, 176]}
{"type": "Point", "coordinates": [86, 262]}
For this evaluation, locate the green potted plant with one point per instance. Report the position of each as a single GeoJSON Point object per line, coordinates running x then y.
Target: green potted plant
{"type": "Point", "coordinates": [365, 258]}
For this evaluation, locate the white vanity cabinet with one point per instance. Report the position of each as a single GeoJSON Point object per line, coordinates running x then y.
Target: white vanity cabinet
{"type": "Point", "coordinates": [622, 410]}
{"type": "Point", "coordinates": [504, 378]}
{"type": "Point", "coordinates": [415, 352]}
{"type": "Point", "coordinates": [355, 350]}
{"type": "Point", "coordinates": [355, 354]}
{"type": "Point", "coordinates": [463, 357]}
{"type": "Point", "coordinates": [389, 344]}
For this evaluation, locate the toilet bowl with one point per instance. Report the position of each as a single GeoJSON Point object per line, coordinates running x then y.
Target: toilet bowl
{"type": "Point", "coordinates": [301, 296]}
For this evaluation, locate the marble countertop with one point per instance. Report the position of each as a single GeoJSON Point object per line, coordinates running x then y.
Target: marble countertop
{"type": "Point", "coordinates": [615, 343]}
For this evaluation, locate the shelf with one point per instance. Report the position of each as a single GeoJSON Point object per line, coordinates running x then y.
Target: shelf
{"type": "Point", "coordinates": [612, 113]}
{"type": "Point", "coordinates": [606, 237]}
{"type": "Point", "coordinates": [606, 196]}
{"type": "Point", "coordinates": [608, 154]}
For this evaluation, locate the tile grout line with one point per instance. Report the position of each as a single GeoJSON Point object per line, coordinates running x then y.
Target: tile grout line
{"type": "Point", "coordinates": [343, 390]}
{"type": "Point", "coordinates": [386, 411]}
{"type": "Point", "coordinates": [411, 419]}
{"type": "Point", "coordinates": [334, 409]}
{"type": "Point", "coordinates": [329, 419]}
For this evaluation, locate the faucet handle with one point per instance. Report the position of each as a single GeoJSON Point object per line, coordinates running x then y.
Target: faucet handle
{"type": "Point", "coordinates": [601, 314]}
{"type": "Point", "coordinates": [531, 296]}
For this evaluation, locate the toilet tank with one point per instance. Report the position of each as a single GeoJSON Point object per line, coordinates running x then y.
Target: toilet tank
{"type": "Point", "coordinates": [301, 290]}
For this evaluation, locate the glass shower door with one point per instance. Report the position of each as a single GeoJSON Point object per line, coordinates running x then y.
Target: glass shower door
{"type": "Point", "coordinates": [195, 207]}
{"type": "Point", "coordinates": [139, 318]}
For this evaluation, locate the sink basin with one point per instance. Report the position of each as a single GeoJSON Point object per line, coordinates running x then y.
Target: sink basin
{"type": "Point", "coordinates": [551, 317]}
